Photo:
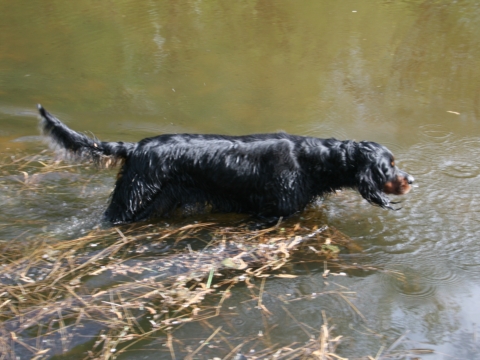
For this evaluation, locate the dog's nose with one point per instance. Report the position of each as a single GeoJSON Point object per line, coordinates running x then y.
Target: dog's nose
{"type": "Point", "coordinates": [410, 179]}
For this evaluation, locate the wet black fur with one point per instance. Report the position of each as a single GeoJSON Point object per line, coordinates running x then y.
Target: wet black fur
{"type": "Point", "coordinates": [266, 174]}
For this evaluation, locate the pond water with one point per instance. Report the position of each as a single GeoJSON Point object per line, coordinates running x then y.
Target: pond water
{"type": "Point", "coordinates": [405, 74]}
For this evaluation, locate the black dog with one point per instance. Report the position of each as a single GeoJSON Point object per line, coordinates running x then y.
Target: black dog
{"type": "Point", "coordinates": [266, 174]}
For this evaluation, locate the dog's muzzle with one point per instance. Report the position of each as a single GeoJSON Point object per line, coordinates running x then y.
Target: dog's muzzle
{"type": "Point", "coordinates": [400, 185]}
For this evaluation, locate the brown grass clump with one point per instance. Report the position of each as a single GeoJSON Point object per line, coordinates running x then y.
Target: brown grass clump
{"type": "Point", "coordinates": [44, 295]}
{"type": "Point", "coordinates": [49, 295]}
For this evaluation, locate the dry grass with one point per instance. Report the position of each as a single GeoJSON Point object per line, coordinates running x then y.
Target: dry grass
{"type": "Point", "coordinates": [42, 288]}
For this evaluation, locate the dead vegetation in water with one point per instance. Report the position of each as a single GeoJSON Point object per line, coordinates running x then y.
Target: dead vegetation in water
{"type": "Point", "coordinates": [113, 289]}
{"type": "Point", "coordinates": [32, 167]}
{"type": "Point", "coordinates": [127, 285]}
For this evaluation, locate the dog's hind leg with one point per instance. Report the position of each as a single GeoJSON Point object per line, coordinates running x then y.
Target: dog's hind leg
{"type": "Point", "coordinates": [133, 199]}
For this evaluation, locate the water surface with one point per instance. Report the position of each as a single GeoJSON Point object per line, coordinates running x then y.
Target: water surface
{"type": "Point", "coordinates": [402, 73]}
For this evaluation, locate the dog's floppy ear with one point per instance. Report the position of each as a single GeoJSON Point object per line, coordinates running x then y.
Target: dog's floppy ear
{"type": "Point", "coordinates": [368, 187]}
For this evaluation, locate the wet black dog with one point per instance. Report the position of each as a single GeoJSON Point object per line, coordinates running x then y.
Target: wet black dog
{"type": "Point", "coordinates": [267, 174]}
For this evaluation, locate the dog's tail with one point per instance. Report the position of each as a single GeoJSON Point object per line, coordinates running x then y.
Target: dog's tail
{"type": "Point", "coordinates": [81, 146]}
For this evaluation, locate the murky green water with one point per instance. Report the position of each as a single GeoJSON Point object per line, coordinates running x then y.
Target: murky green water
{"type": "Point", "coordinates": [402, 73]}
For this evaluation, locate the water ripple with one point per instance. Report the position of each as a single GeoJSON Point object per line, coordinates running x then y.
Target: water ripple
{"type": "Point", "coordinates": [460, 169]}
{"type": "Point", "coordinates": [440, 275]}
{"type": "Point", "coordinates": [412, 285]}
{"type": "Point", "coordinates": [434, 133]}
{"type": "Point", "coordinates": [415, 166]}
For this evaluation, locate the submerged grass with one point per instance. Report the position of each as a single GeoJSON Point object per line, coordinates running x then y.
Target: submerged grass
{"type": "Point", "coordinates": [107, 292]}
{"type": "Point", "coordinates": [47, 294]}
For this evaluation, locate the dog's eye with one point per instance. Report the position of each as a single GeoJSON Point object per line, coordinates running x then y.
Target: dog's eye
{"type": "Point", "coordinates": [392, 163]}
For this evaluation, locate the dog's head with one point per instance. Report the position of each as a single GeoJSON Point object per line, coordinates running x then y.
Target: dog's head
{"type": "Point", "coordinates": [377, 174]}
